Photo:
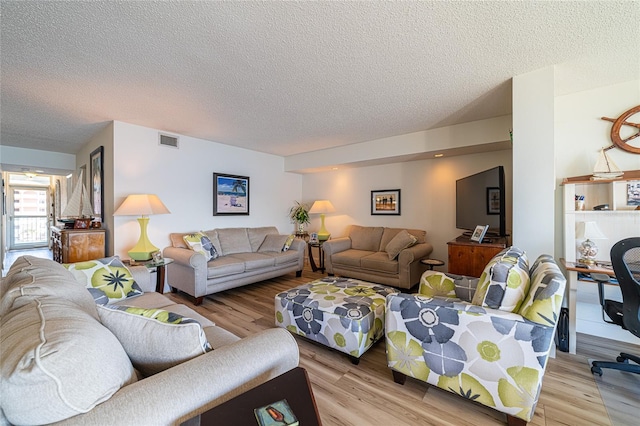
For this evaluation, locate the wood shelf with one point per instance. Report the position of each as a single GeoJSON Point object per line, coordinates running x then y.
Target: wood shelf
{"type": "Point", "coordinates": [628, 175]}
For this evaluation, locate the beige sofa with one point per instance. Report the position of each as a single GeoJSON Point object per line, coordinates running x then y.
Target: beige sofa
{"type": "Point", "coordinates": [245, 257]}
{"type": "Point", "coordinates": [378, 255]}
{"type": "Point", "coordinates": [60, 363]}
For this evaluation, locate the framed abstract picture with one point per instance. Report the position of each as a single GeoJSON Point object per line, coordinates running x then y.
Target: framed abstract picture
{"type": "Point", "coordinates": [230, 194]}
{"type": "Point", "coordinates": [96, 182]}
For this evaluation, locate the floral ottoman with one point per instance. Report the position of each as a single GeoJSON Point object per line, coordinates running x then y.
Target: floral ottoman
{"type": "Point", "coordinates": [340, 313]}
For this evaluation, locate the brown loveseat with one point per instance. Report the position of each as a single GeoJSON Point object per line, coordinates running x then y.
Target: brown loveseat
{"type": "Point", "coordinates": [377, 254]}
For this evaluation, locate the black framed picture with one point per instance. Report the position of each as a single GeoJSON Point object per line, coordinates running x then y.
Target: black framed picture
{"type": "Point", "coordinates": [96, 182]}
{"type": "Point", "coordinates": [385, 202]}
{"type": "Point", "coordinates": [230, 194]}
{"type": "Point", "coordinates": [493, 200]}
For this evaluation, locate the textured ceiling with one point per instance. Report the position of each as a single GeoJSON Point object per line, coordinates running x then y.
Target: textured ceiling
{"type": "Point", "coordinates": [292, 77]}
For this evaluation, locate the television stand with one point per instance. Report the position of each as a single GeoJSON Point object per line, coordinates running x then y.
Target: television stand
{"type": "Point", "coordinates": [469, 258]}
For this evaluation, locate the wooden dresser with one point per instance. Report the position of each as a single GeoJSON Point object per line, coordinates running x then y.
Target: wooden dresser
{"type": "Point", "coordinates": [77, 245]}
{"type": "Point", "coordinates": [469, 258]}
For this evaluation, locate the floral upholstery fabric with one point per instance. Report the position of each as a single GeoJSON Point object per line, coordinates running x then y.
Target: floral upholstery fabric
{"type": "Point", "coordinates": [341, 313]}
{"type": "Point", "coordinates": [504, 281]}
{"type": "Point", "coordinates": [493, 357]}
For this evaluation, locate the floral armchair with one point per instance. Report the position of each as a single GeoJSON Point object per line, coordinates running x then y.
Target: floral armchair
{"type": "Point", "coordinates": [486, 339]}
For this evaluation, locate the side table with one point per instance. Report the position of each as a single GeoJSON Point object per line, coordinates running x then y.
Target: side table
{"type": "Point", "coordinates": [293, 386]}
{"type": "Point", "coordinates": [312, 262]}
{"type": "Point", "coordinates": [159, 266]}
{"type": "Point", "coordinates": [431, 263]}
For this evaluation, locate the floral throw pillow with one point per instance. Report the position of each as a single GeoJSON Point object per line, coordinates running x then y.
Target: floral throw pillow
{"type": "Point", "coordinates": [287, 244]}
{"type": "Point", "coordinates": [200, 243]}
{"type": "Point", "coordinates": [108, 280]}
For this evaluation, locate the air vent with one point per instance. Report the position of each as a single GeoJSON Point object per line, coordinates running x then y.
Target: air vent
{"type": "Point", "coordinates": [168, 140]}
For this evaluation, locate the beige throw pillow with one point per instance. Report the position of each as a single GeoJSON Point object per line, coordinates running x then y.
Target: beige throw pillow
{"type": "Point", "coordinates": [154, 339]}
{"type": "Point", "coordinates": [401, 241]}
{"type": "Point", "coordinates": [273, 242]}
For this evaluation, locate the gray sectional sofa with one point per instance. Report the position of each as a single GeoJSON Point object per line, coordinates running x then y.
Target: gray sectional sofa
{"type": "Point", "coordinates": [381, 255]}
{"type": "Point", "coordinates": [245, 256]}
{"type": "Point", "coordinates": [68, 360]}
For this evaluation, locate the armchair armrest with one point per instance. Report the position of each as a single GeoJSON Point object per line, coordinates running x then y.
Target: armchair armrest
{"type": "Point", "coordinates": [199, 384]}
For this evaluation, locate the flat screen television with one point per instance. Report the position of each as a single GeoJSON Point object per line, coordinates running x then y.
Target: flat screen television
{"type": "Point", "coordinates": [480, 200]}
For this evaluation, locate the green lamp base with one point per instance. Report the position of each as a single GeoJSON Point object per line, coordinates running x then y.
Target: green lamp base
{"type": "Point", "coordinates": [143, 249]}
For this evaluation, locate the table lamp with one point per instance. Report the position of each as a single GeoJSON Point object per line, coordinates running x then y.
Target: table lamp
{"type": "Point", "coordinates": [143, 205]}
{"type": "Point", "coordinates": [322, 207]}
{"type": "Point", "coordinates": [588, 249]}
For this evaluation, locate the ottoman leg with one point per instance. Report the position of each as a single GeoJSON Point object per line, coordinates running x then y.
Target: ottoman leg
{"type": "Point", "coordinates": [354, 360]}
{"type": "Point", "coordinates": [398, 377]}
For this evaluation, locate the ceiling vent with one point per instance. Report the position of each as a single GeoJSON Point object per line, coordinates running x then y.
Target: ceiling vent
{"type": "Point", "coordinates": [168, 140]}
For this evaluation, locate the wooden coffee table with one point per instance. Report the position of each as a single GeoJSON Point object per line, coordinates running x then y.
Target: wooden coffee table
{"type": "Point", "coordinates": [293, 386]}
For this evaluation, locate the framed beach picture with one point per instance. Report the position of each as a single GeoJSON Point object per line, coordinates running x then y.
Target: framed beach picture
{"type": "Point", "coordinates": [385, 201]}
{"type": "Point", "coordinates": [230, 194]}
{"type": "Point", "coordinates": [96, 178]}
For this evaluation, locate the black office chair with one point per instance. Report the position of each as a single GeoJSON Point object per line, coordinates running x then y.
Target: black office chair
{"type": "Point", "coordinates": [625, 257]}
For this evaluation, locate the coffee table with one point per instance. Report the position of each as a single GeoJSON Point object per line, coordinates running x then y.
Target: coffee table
{"type": "Point", "coordinates": [293, 386]}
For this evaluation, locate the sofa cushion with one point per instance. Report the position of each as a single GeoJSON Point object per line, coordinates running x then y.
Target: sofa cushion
{"type": "Point", "coordinates": [253, 261]}
{"type": "Point", "coordinates": [365, 237]}
{"type": "Point", "coordinates": [107, 279]}
{"type": "Point", "coordinates": [401, 241]}
{"type": "Point", "coordinates": [542, 303]}
{"type": "Point", "coordinates": [379, 262]}
{"type": "Point", "coordinates": [234, 240]}
{"type": "Point", "coordinates": [30, 277]}
{"type": "Point", "coordinates": [154, 339]}
{"type": "Point", "coordinates": [350, 257]}
{"type": "Point", "coordinates": [57, 362]}
{"type": "Point", "coordinates": [200, 243]}
{"type": "Point", "coordinates": [257, 235]}
{"type": "Point", "coordinates": [284, 257]}
{"type": "Point", "coordinates": [273, 242]}
{"type": "Point", "coordinates": [223, 266]}
{"type": "Point", "coordinates": [437, 284]}
{"type": "Point", "coordinates": [504, 281]}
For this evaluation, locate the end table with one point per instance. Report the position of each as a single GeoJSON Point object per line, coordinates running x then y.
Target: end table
{"type": "Point", "coordinates": [312, 262]}
{"type": "Point", "coordinates": [159, 266]}
{"type": "Point", "coordinates": [431, 263]}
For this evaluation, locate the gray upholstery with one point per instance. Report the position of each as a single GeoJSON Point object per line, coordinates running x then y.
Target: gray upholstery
{"type": "Point", "coordinates": [361, 254]}
{"type": "Point", "coordinates": [239, 263]}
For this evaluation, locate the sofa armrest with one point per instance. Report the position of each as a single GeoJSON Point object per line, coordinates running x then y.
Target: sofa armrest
{"type": "Point", "coordinates": [410, 268]}
{"type": "Point", "coordinates": [332, 247]}
{"type": "Point", "coordinates": [198, 385]}
{"type": "Point", "coordinates": [142, 277]}
{"type": "Point", "coordinates": [188, 272]}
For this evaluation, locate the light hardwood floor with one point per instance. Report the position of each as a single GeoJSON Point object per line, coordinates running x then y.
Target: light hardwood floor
{"type": "Point", "coordinates": [365, 394]}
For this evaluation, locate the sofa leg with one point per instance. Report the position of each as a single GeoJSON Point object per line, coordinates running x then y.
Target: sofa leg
{"type": "Point", "coordinates": [298, 274]}
{"type": "Point", "coordinates": [198, 300]}
{"type": "Point", "coordinates": [398, 377]}
{"type": "Point", "coordinates": [515, 421]}
{"type": "Point", "coordinates": [331, 275]}
{"type": "Point", "coordinates": [173, 289]}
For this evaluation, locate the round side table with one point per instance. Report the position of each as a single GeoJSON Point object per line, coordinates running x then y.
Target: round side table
{"type": "Point", "coordinates": [431, 263]}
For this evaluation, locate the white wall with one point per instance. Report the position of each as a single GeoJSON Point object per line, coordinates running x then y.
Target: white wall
{"type": "Point", "coordinates": [427, 194]}
{"type": "Point", "coordinates": [183, 179]}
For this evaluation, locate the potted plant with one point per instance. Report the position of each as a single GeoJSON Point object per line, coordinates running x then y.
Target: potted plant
{"type": "Point", "coordinates": [299, 214]}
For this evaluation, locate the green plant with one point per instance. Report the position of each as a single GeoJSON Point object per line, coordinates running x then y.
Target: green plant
{"type": "Point", "coordinates": [299, 213]}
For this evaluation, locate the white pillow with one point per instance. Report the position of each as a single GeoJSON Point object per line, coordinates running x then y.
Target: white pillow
{"type": "Point", "coordinates": [154, 339]}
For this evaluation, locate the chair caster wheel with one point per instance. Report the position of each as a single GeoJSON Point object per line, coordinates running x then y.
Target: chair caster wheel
{"type": "Point", "coordinates": [596, 370]}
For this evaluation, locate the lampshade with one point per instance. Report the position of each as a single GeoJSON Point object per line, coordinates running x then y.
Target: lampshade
{"type": "Point", "coordinates": [143, 205]}
{"type": "Point", "coordinates": [588, 249]}
{"type": "Point", "coordinates": [589, 230]}
{"type": "Point", "coordinates": [322, 207]}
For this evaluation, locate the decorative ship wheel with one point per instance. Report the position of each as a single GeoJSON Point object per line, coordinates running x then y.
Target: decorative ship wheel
{"type": "Point", "coordinates": [616, 138]}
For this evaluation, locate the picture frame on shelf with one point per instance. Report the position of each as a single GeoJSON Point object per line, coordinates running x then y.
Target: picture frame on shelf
{"type": "Point", "coordinates": [230, 194]}
{"type": "Point", "coordinates": [479, 233]}
{"type": "Point", "coordinates": [97, 178]}
{"type": "Point", "coordinates": [385, 202]}
{"type": "Point", "coordinates": [493, 200]}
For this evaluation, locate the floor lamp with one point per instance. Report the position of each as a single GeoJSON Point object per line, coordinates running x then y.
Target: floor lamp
{"type": "Point", "coordinates": [142, 205]}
